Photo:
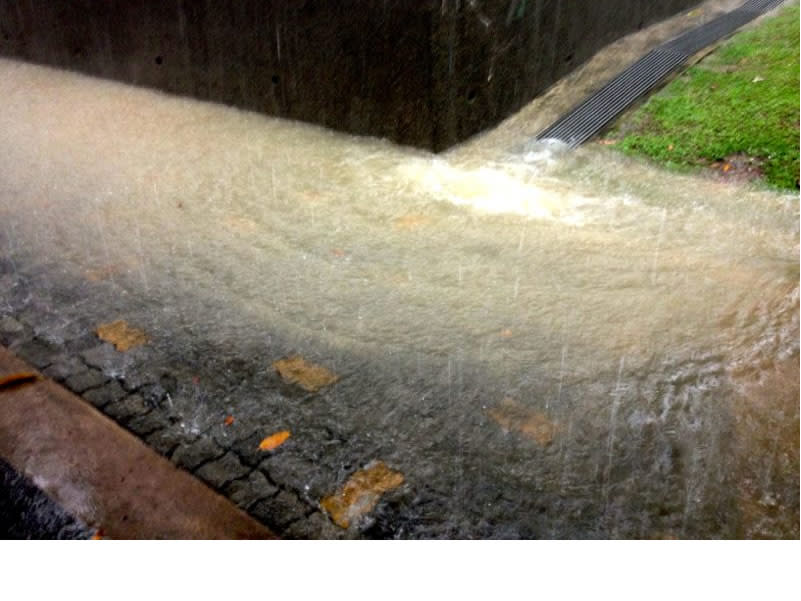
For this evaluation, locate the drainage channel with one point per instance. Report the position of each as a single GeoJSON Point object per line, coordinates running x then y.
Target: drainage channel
{"type": "Point", "coordinates": [589, 117]}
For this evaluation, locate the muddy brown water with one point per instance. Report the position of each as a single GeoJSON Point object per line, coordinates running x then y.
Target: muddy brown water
{"type": "Point", "coordinates": [546, 343]}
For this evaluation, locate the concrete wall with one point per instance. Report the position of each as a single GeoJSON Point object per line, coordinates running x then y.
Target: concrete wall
{"type": "Point", "coordinates": [427, 73]}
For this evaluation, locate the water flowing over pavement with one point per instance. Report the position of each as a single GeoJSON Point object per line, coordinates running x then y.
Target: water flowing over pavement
{"type": "Point", "coordinates": [543, 343]}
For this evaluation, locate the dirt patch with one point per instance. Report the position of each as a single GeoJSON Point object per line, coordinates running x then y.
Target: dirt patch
{"type": "Point", "coordinates": [737, 168]}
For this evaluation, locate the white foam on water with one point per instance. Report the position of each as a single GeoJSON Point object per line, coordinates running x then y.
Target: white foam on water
{"type": "Point", "coordinates": [493, 189]}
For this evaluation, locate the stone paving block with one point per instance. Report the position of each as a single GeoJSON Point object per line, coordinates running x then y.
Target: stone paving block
{"type": "Point", "coordinates": [191, 455]}
{"type": "Point", "coordinates": [64, 367]}
{"type": "Point", "coordinates": [315, 527]}
{"type": "Point", "coordinates": [166, 440]}
{"type": "Point", "coordinates": [81, 382]}
{"type": "Point", "coordinates": [127, 407]}
{"type": "Point", "coordinates": [154, 394]}
{"type": "Point", "coordinates": [60, 329]}
{"type": "Point", "coordinates": [16, 294]}
{"type": "Point", "coordinates": [221, 471]}
{"type": "Point", "coordinates": [298, 474]}
{"type": "Point", "coordinates": [133, 380]}
{"type": "Point", "coordinates": [7, 280]}
{"type": "Point", "coordinates": [35, 312]}
{"type": "Point", "coordinates": [108, 393]}
{"type": "Point", "coordinates": [37, 352]}
{"type": "Point", "coordinates": [248, 448]}
{"type": "Point", "coordinates": [105, 358]}
{"type": "Point", "coordinates": [246, 491]}
{"type": "Point", "coordinates": [235, 434]}
{"type": "Point", "coordinates": [280, 510]}
{"type": "Point", "coordinates": [79, 343]}
{"type": "Point", "coordinates": [10, 329]}
{"type": "Point", "coordinates": [143, 425]}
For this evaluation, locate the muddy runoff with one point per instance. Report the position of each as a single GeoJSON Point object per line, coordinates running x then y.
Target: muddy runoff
{"type": "Point", "coordinates": [544, 343]}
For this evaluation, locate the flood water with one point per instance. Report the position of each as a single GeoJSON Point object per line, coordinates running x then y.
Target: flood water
{"type": "Point", "coordinates": [546, 343]}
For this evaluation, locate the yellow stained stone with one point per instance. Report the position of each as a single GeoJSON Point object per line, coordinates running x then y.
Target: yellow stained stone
{"type": "Point", "coordinates": [514, 416]}
{"type": "Point", "coordinates": [310, 377]}
{"type": "Point", "coordinates": [121, 335]}
{"type": "Point", "coordinates": [359, 495]}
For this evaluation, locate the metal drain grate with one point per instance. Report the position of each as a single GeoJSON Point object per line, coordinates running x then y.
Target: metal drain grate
{"type": "Point", "coordinates": [589, 117]}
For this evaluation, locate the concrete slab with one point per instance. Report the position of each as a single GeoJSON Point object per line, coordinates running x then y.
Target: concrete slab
{"type": "Point", "coordinates": [100, 473]}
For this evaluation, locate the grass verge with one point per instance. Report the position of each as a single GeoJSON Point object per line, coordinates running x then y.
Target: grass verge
{"type": "Point", "coordinates": [736, 111]}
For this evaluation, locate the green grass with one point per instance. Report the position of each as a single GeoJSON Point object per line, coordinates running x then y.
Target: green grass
{"type": "Point", "coordinates": [741, 99]}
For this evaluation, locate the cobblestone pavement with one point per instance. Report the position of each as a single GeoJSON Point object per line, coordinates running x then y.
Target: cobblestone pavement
{"type": "Point", "coordinates": [171, 397]}
{"type": "Point", "coordinates": [143, 405]}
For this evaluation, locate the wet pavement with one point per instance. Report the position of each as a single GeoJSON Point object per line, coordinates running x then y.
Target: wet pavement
{"type": "Point", "coordinates": [351, 339]}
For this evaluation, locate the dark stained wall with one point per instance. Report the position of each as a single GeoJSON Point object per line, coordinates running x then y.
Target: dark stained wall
{"type": "Point", "coordinates": [428, 73]}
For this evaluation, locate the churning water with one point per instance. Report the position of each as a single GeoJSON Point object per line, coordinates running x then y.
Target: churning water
{"type": "Point", "coordinates": [545, 342]}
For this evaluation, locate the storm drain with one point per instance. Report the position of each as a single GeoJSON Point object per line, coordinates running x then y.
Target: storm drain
{"type": "Point", "coordinates": [589, 117]}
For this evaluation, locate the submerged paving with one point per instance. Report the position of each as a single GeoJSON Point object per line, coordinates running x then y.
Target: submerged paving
{"type": "Point", "coordinates": [143, 408]}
